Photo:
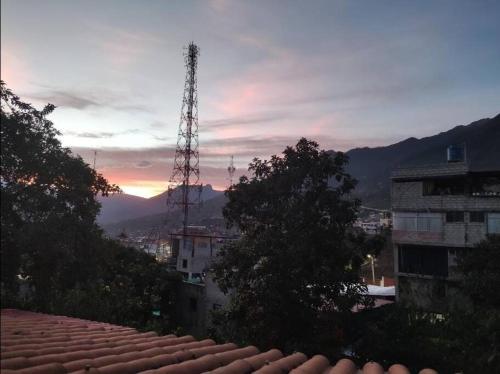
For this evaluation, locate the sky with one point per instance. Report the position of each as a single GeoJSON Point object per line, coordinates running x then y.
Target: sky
{"type": "Point", "coordinates": [344, 73]}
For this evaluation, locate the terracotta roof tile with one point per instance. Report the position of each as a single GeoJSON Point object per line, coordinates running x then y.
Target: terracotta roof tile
{"type": "Point", "coordinates": [343, 366]}
{"type": "Point", "coordinates": [317, 364]}
{"type": "Point", "coordinates": [33, 343]}
{"type": "Point", "coordinates": [199, 352]}
{"type": "Point", "coordinates": [284, 365]}
{"type": "Point", "coordinates": [373, 368]}
{"type": "Point", "coordinates": [398, 369]}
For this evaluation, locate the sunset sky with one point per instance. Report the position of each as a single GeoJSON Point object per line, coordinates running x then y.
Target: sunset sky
{"type": "Point", "coordinates": [345, 73]}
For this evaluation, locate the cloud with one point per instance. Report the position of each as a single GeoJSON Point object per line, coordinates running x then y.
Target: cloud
{"type": "Point", "coordinates": [62, 98]}
{"type": "Point", "coordinates": [124, 47]}
{"type": "Point", "coordinates": [157, 125]}
{"type": "Point", "coordinates": [251, 119]}
{"type": "Point", "coordinates": [100, 135]}
{"type": "Point", "coordinates": [84, 99]}
{"type": "Point", "coordinates": [131, 167]}
{"type": "Point", "coordinates": [96, 135]}
{"type": "Point", "coordinates": [144, 164]}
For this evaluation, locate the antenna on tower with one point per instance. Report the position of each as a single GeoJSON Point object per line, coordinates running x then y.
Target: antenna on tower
{"type": "Point", "coordinates": [231, 169]}
{"type": "Point", "coordinates": [95, 157]}
{"type": "Point", "coordinates": [186, 171]}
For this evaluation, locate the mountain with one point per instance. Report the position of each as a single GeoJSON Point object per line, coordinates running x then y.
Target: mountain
{"type": "Point", "coordinates": [208, 214]}
{"type": "Point", "coordinates": [121, 207]}
{"type": "Point", "coordinates": [372, 168]}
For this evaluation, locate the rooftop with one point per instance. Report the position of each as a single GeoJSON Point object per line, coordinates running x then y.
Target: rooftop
{"type": "Point", "coordinates": [427, 171]}
{"type": "Point", "coordinates": [34, 343]}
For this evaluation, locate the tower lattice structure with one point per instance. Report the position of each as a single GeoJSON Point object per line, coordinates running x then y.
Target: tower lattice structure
{"type": "Point", "coordinates": [184, 188]}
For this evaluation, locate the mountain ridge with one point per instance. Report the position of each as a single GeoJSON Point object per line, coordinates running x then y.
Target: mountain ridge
{"type": "Point", "coordinates": [372, 167]}
{"type": "Point", "coordinates": [120, 207]}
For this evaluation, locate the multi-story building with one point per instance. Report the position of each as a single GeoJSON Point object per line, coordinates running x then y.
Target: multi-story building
{"type": "Point", "coordinates": [194, 252]}
{"type": "Point", "coordinates": [439, 210]}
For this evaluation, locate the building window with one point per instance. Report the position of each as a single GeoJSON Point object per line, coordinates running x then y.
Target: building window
{"type": "Point", "coordinates": [476, 217]}
{"type": "Point", "coordinates": [193, 304]}
{"type": "Point", "coordinates": [454, 216]}
{"type": "Point", "coordinates": [429, 222]}
{"type": "Point", "coordinates": [439, 290]}
{"type": "Point", "coordinates": [175, 247]}
{"type": "Point", "coordinates": [184, 264]}
{"type": "Point", "coordinates": [448, 186]}
{"type": "Point", "coordinates": [423, 260]}
{"type": "Point", "coordinates": [493, 223]}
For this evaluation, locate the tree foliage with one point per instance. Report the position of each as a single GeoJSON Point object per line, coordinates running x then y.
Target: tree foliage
{"type": "Point", "coordinates": [51, 245]}
{"type": "Point", "coordinates": [294, 274]}
{"type": "Point", "coordinates": [466, 339]}
{"type": "Point", "coordinates": [478, 328]}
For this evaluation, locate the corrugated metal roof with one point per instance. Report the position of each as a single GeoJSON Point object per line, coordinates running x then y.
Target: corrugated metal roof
{"type": "Point", "coordinates": [34, 343]}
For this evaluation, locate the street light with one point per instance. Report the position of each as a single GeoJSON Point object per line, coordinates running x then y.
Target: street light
{"type": "Point", "coordinates": [373, 267]}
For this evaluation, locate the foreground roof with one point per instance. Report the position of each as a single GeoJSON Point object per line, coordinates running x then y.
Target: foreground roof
{"type": "Point", "coordinates": [34, 343]}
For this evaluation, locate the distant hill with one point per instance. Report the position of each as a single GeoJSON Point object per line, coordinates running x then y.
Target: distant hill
{"type": "Point", "coordinates": [121, 207]}
{"type": "Point", "coordinates": [371, 166]}
{"type": "Point", "coordinates": [208, 214]}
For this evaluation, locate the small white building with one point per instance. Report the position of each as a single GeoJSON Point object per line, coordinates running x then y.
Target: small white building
{"type": "Point", "coordinates": [194, 251]}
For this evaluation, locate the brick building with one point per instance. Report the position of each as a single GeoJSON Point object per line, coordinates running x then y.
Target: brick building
{"type": "Point", "coordinates": [439, 210]}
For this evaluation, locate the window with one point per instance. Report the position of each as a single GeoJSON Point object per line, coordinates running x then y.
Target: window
{"type": "Point", "coordinates": [439, 290]}
{"type": "Point", "coordinates": [184, 263]}
{"type": "Point", "coordinates": [448, 186]}
{"type": "Point", "coordinates": [175, 247]}
{"type": "Point", "coordinates": [424, 260]}
{"type": "Point", "coordinates": [430, 222]}
{"type": "Point", "coordinates": [454, 216]}
{"type": "Point", "coordinates": [476, 217]}
{"type": "Point", "coordinates": [193, 304]}
{"type": "Point", "coordinates": [493, 223]}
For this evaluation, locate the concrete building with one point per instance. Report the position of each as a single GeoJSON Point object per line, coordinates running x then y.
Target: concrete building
{"type": "Point", "coordinates": [439, 210]}
{"type": "Point", "coordinates": [199, 294]}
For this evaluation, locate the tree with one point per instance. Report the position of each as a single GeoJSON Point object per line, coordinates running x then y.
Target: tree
{"type": "Point", "coordinates": [50, 238]}
{"type": "Point", "coordinates": [48, 200]}
{"type": "Point", "coordinates": [466, 339]}
{"type": "Point", "coordinates": [293, 276]}
{"type": "Point", "coordinates": [476, 331]}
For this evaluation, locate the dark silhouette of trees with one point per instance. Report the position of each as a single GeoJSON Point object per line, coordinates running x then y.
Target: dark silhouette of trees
{"type": "Point", "coordinates": [54, 256]}
{"type": "Point", "coordinates": [293, 276]}
{"type": "Point", "coordinates": [466, 339]}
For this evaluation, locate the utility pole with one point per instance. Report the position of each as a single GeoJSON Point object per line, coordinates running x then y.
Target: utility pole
{"type": "Point", "coordinates": [373, 268]}
{"type": "Point", "coordinates": [231, 169]}
{"type": "Point", "coordinates": [186, 172]}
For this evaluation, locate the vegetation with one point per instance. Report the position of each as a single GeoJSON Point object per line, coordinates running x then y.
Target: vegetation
{"type": "Point", "coordinates": [54, 256]}
{"type": "Point", "coordinates": [294, 274]}
{"type": "Point", "coordinates": [465, 339]}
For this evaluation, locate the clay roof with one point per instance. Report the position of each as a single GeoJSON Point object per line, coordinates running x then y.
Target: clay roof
{"type": "Point", "coordinates": [34, 343]}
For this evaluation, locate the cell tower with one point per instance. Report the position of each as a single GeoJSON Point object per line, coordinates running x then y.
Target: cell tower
{"type": "Point", "coordinates": [231, 169]}
{"type": "Point", "coordinates": [184, 189]}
